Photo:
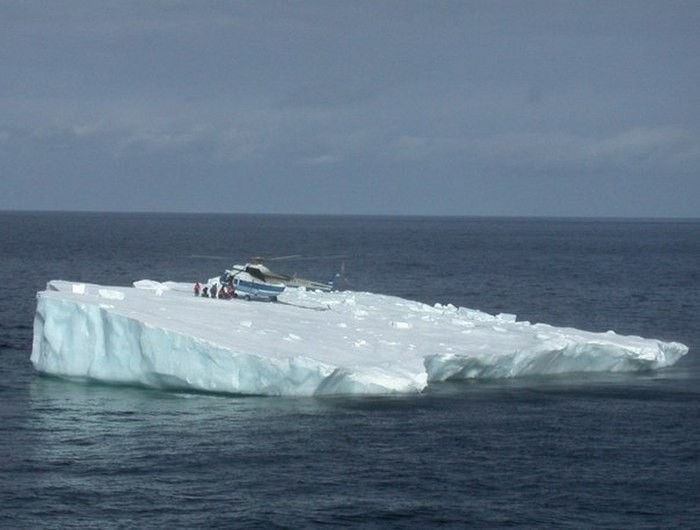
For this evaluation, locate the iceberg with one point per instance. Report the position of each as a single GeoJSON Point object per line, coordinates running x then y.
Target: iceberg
{"type": "Point", "coordinates": [309, 343]}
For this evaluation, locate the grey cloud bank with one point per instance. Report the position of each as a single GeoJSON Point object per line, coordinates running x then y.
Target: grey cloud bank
{"type": "Point", "coordinates": [427, 108]}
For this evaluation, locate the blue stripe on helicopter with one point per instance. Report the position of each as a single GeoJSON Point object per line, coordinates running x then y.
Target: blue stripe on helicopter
{"type": "Point", "coordinates": [258, 288]}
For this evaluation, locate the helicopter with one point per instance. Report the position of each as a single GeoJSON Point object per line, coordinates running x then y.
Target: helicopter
{"type": "Point", "coordinates": [255, 280]}
{"type": "Point", "coordinates": [258, 269]}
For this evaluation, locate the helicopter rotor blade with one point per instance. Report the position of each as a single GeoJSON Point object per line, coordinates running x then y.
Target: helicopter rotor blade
{"type": "Point", "coordinates": [333, 256]}
{"type": "Point", "coordinates": [297, 257]}
{"type": "Point", "coordinates": [208, 256]}
{"type": "Point", "coordinates": [284, 258]}
{"type": "Point", "coordinates": [261, 259]}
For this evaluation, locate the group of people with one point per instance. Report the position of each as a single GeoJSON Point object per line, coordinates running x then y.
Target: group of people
{"type": "Point", "coordinates": [223, 292]}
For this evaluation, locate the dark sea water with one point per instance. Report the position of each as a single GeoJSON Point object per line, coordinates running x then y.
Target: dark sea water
{"type": "Point", "coordinates": [576, 451]}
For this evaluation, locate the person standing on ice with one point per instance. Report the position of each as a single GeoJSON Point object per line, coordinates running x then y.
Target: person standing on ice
{"type": "Point", "coordinates": [197, 288]}
{"type": "Point", "coordinates": [212, 291]}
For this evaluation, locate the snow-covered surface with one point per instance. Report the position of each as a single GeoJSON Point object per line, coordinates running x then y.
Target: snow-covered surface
{"type": "Point", "coordinates": [311, 343]}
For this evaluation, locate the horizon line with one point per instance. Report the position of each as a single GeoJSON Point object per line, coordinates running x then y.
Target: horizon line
{"type": "Point", "coordinates": [386, 215]}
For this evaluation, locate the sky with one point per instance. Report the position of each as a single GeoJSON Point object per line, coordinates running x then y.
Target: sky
{"type": "Point", "coordinates": [391, 107]}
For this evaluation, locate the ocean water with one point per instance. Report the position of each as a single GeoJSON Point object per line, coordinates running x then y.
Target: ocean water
{"type": "Point", "coordinates": [575, 451]}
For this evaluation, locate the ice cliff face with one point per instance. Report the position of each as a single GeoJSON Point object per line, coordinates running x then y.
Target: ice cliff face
{"type": "Point", "coordinates": [160, 335]}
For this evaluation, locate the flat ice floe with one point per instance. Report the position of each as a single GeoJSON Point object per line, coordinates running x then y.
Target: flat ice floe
{"type": "Point", "coordinates": [310, 343]}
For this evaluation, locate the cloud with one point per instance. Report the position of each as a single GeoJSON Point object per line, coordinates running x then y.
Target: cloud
{"type": "Point", "coordinates": [671, 148]}
{"type": "Point", "coordinates": [371, 95]}
{"type": "Point", "coordinates": [321, 160]}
